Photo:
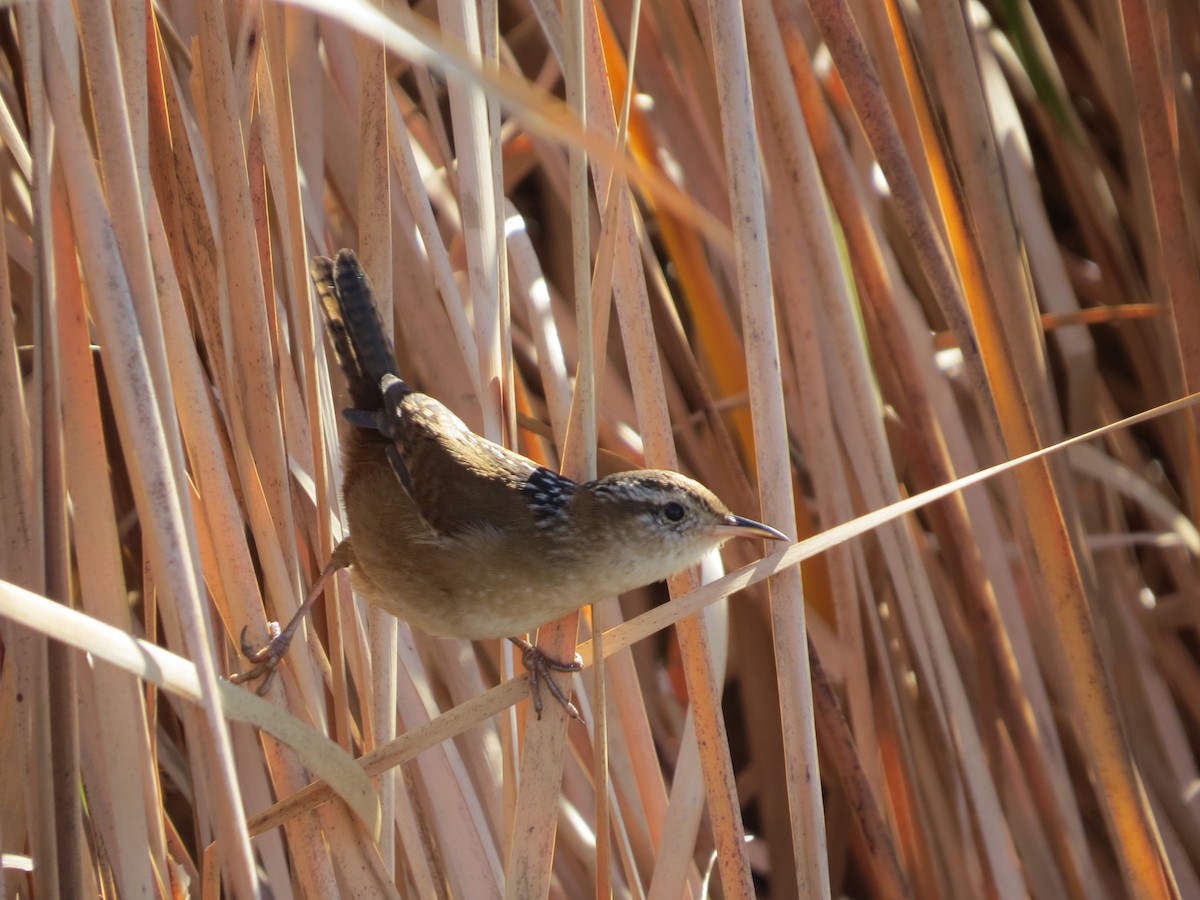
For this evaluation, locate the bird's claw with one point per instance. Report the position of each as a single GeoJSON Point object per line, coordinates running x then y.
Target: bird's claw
{"type": "Point", "coordinates": [266, 658]}
{"type": "Point", "coordinates": [539, 666]}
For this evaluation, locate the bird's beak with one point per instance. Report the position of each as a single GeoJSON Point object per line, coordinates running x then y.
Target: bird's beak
{"type": "Point", "coordinates": [736, 525]}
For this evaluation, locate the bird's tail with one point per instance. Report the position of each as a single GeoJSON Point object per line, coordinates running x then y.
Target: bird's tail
{"type": "Point", "coordinates": [363, 349]}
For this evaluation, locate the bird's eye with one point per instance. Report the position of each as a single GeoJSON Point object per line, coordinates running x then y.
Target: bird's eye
{"type": "Point", "coordinates": [673, 511]}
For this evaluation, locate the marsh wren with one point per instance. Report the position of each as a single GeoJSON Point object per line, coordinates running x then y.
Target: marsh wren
{"type": "Point", "coordinates": [467, 539]}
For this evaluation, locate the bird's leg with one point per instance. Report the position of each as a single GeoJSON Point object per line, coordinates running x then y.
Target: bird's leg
{"type": "Point", "coordinates": [539, 666]}
{"type": "Point", "coordinates": [267, 658]}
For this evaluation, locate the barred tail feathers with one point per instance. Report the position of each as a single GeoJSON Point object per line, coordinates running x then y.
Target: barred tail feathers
{"type": "Point", "coordinates": [352, 319]}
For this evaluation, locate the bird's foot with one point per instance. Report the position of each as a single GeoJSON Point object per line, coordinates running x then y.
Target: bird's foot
{"type": "Point", "coordinates": [539, 666]}
{"type": "Point", "coordinates": [266, 659]}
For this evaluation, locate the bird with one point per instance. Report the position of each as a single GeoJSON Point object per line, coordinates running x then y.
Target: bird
{"type": "Point", "coordinates": [464, 538]}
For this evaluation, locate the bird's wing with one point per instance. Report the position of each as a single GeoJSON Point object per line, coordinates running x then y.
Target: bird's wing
{"type": "Point", "coordinates": [457, 480]}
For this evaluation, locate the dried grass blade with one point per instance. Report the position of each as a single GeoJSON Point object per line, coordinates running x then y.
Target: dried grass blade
{"type": "Point", "coordinates": [171, 550]}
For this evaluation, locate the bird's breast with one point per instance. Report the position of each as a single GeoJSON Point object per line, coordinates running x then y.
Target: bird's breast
{"type": "Point", "coordinates": [485, 581]}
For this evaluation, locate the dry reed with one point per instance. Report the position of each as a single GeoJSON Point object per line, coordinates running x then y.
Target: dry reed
{"type": "Point", "coordinates": [826, 258]}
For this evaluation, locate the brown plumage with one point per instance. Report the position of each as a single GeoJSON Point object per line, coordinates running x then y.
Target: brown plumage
{"type": "Point", "coordinates": [464, 538]}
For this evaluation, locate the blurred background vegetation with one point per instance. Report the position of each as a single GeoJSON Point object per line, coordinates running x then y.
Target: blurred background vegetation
{"type": "Point", "coordinates": [820, 256]}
